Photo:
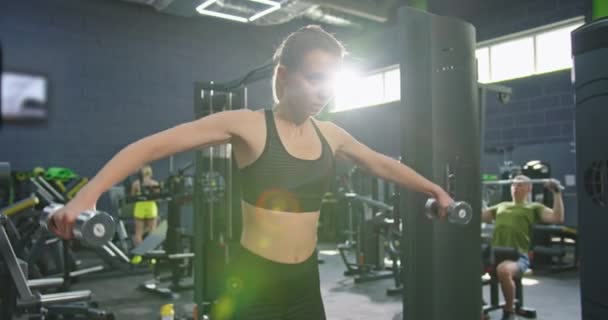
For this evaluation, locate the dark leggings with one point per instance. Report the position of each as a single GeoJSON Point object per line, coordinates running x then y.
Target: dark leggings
{"type": "Point", "coordinates": [258, 288]}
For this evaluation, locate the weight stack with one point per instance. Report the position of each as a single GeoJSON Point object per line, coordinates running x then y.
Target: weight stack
{"type": "Point", "coordinates": [440, 135]}
{"type": "Point", "coordinates": [590, 51]}
{"type": "Point", "coordinates": [216, 201]}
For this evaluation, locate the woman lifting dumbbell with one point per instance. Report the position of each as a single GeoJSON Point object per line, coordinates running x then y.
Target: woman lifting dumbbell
{"type": "Point", "coordinates": [145, 212]}
{"type": "Point", "coordinates": [286, 162]}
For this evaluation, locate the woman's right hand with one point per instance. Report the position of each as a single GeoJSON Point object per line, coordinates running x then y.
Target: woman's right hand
{"type": "Point", "coordinates": [62, 222]}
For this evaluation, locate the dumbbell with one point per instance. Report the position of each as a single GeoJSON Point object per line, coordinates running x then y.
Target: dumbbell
{"type": "Point", "coordinates": [94, 228]}
{"type": "Point", "coordinates": [458, 212]}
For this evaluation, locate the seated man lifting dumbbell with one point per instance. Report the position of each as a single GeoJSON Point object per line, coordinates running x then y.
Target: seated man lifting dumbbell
{"type": "Point", "coordinates": [513, 222]}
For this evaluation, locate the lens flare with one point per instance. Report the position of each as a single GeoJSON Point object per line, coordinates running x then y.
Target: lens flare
{"type": "Point", "coordinates": [279, 200]}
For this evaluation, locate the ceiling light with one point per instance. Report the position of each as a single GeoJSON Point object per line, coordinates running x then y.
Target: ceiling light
{"type": "Point", "coordinates": [272, 6]}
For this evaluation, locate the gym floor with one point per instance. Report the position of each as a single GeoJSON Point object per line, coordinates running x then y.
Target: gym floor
{"type": "Point", "coordinates": [555, 296]}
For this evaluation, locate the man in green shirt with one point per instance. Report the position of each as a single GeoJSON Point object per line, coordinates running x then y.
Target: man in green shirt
{"type": "Point", "coordinates": [513, 222]}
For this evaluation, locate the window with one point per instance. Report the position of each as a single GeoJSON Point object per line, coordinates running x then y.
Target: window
{"type": "Point", "coordinates": [528, 53]}
{"type": "Point", "coordinates": [553, 49]}
{"type": "Point", "coordinates": [355, 91]}
{"type": "Point", "coordinates": [512, 59]}
{"type": "Point", "coordinates": [392, 85]}
{"type": "Point", "coordinates": [483, 64]}
{"type": "Point", "coordinates": [524, 54]}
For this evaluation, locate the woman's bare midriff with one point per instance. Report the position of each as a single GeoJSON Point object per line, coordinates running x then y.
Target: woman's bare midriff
{"type": "Point", "coordinates": [285, 237]}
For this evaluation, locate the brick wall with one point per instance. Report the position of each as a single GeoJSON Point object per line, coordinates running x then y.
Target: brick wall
{"type": "Point", "coordinates": [541, 111]}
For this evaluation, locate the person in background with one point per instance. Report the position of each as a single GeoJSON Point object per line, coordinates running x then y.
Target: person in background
{"type": "Point", "coordinates": [145, 212]}
{"type": "Point", "coordinates": [513, 222]}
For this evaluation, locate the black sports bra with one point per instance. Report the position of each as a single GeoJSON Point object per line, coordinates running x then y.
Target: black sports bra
{"type": "Point", "coordinates": [278, 181]}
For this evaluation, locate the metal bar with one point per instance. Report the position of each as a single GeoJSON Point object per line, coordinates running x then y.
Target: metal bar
{"type": "Point", "coordinates": [228, 180]}
{"type": "Point", "coordinates": [20, 206]}
{"type": "Point", "coordinates": [77, 188]}
{"type": "Point", "coordinates": [511, 181]}
{"type": "Point", "coordinates": [51, 189]}
{"type": "Point", "coordinates": [494, 88]}
{"type": "Point", "coordinates": [350, 224]}
{"type": "Point", "coordinates": [369, 201]}
{"type": "Point", "coordinates": [41, 191]}
{"type": "Point", "coordinates": [65, 297]}
{"type": "Point", "coordinates": [185, 255]}
{"type": "Point", "coordinates": [118, 252]}
{"type": "Point", "coordinates": [44, 283]}
{"type": "Point", "coordinates": [211, 154]}
{"type": "Point", "coordinates": [83, 272]}
{"type": "Point", "coordinates": [10, 259]}
{"type": "Point", "coordinates": [108, 251]}
{"type": "Point", "coordinates": [245, 105]}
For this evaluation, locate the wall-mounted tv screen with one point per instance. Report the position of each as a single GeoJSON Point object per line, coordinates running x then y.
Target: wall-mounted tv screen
{"type": "Point", "coordinates": [24, 97]}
